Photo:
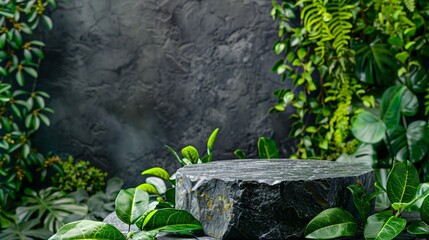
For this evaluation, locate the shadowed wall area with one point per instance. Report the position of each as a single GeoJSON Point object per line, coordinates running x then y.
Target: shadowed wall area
{"type": "Point", "coordinates": [127, 77]}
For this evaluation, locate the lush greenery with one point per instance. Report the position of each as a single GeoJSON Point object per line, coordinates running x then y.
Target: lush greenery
{"type": "Point", "coordinates": [79, 174]}
{"type": "Point", "coordinates": [404, 191]}
{"type": "Point", "coordinates": [340, 56]}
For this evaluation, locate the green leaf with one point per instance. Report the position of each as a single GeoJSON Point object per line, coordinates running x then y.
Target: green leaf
{"type": "Point", "coordinates": [301, 53]}
{"type": "Point", "coordinates": [20, 78]}
{"type": "Point", "coordinates": [6, 13]}
{"type": "Point", "coordinates": [421, 194]}
{"type": "Point", "coordinates": [158, 183]}
{"type": "Point", "coordinates": [169, 220]}
{"type": "Point", "coordinates": [402, 182]}
{"type": "Point", "coordinates": [170, 195]}
{"type": "Point", "coordinates": [211, 140]}
{"type": "Point", "coordinates": [383, 226]}
{"type": "Point", "coordinates": [149, 188]}
{"type": "Point", "coordinates": [31, 71]}
{"type": "Point", "coordinates": [411, 143]}
{"type": "Point", "coordinates": [418, 228]}
{"type": "Point", "coordinates": [131, 204]}
{"type": "Point", "coordinates": [424, 210]}
{"type": "Point", "coordinates": [191, 153]}
{"type": "Point", "coordinates": [240, 154]}
{"type": "Point", "coordinates": [364, 154]}
{"type": "Point", "coordinates": [409, 103]}
{"type": "Point", "coordinates": [375, 62]}
{"type": "Point", "coordinates": [331, 223]}
{"type": "Point", "coordinates": [48, 22]}
{"type": "Point", "coordinates": [390, 104]}
{"type": "Point", "coordinates": [267, 148]}
{"type": "Point", "coordinates": [402, 57]}
{"type": "Point", "coordinates": [176, 155]}
{"type": "Point", "coordinates": [88, 230]}
{"type": "Point", "coordinates": [157, 171]}
{"type": "Point", "coordinates": [361, 201]}
{"type": "Point", "coordinates": [368, 128]}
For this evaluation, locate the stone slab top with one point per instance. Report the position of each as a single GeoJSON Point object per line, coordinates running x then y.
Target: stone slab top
{"type": "Point", "coordinates": [273, 171]}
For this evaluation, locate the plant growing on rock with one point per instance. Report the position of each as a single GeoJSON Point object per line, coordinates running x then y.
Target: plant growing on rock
{"type": "Point", "coordinates": [405, 193]}
{"type": "Point", "coordinates": [267, 149]}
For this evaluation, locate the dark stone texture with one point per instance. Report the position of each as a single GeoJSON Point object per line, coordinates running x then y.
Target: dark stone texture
{"type": "Point", "coordinates": [127, 77]}
{"type": "Point", "coordinates": [266, 199]}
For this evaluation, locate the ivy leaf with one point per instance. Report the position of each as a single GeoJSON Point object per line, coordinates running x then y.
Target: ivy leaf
{"type": "Point", "coordinates": [131, 204]}
{"type": "Point", "coordinates": [331, 223]}
{"type": "Point", "coordinates": [88, 230]}
{"type": "Point", "coordinates": [402, 182]}
{"type": "Point", "coordinates": [157, 171]}
{"type": "Point", "coordinates": [368, 128]}
{"type": "Point", "coordinates": [267, 148]}
{"type": "Point", "coordinates": [384, 226]}
{"type": "Point", "coordinates": [169, 220]}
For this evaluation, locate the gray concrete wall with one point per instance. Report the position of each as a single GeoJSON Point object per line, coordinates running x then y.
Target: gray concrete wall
{"type": "Point", "coordinates": [128, 76]}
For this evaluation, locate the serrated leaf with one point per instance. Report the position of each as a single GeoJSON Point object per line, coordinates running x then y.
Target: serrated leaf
{"type": "Point", "coordinates": [157, 171]}
{"type": "Point", "coordinates": [88, 230]}
{"type": "Point", "coordinates": [331, 223]}
{"type": "Point", "coordinates": [131, 204]}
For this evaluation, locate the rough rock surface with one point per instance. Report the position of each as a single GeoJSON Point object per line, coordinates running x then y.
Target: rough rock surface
{"type": "Point", "coordinates": [265, 199]}
{"type": "Point", "coordinates": [127, 77]}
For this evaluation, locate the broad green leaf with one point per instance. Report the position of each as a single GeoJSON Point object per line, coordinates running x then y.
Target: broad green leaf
{"type": "Point", "coordinates": [48, 22]}
{"type": "Point", "coordinates": [267, 148]}
{"type": "Point", "coordinates": [157, 171]}
{"type": "Point", "coordinates": [240, 154]}
{"type": "Point", "coordinates": [391, 105]}
{"type": "Point", "coordinates": [361, 201]}
{"type": "Point", "coordinates": [410, 103]}
{"type": "Point", "coordinates": [418, 228]}
{"type": "Point", "coordinates": [421, 194]}
{"type": "Point", "coordinates": [170, 195]}
{"type": "Point", "coordinates": [191, 153]}
{"type": "Point", "coordinates": [375, 63]}
{"type": "Point", "coordinates": [88, 230]}
{"type": "Point", "coordinates": [383, 226]}
{"type": "Point", "coordinates": [211, 140]}
{"type": "Point", "coordinates": [169, 220]}
{"type": "Point", "coordinates": [368, 128]}
{"type": "Point", "coordinates": [402, 57]}
{"type": "Point", "coordinates": [411, 143]}
{"type": "Point", "coordinates": [149, 188]}
{"type": "Point", "coordinates": [364, 154]}
{"type": "Point", "coordinates": [416, 80]}
{"type": "Point", "coordinates": [402, 182]}
{"type": "Point", "coordinates": [131, 204]}
{"type": "Point", "coordinates": [331, 223]}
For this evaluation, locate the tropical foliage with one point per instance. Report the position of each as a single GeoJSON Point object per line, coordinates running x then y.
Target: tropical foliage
{"type": "Point", "coordinates": [404, 191]}
{"type": "Point", "coordinates": [340, 55]}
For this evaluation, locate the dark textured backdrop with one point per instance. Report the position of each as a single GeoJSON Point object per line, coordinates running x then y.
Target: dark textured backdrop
{"type": "Point", "coordinates": [128, 76]}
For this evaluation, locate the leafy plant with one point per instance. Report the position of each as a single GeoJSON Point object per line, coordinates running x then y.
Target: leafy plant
{"type": "Point", "coordinates": [161, 184]}
{"type": "Point", "coordinates": [22, 105]}
{"type": "Point", "coordinates": [79, 174]}
{"type": "Point", "coordinates": [50, 207]}
{"type": "Point", "coordinates": [338, 56]}
{"type": "Point", "coordinates": [101, 203]}
{"type": "Point", "coordinates": [267, 149]}
{"type": "Point", "coordinates": [25, 230]}
{"type": "Point", "coordinates": [132, 207]}
{"type": "Point", "coordinates": [404, 191]}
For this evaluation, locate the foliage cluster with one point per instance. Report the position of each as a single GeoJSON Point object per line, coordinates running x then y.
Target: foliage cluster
{"type": "Point", "coordinates": [79, 174]}
{"type": "Point", "coordinates": [405, 192]}
{"type": "Point", "coordinates": [340, 56]}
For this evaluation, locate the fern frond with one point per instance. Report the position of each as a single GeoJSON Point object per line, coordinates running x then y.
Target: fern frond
{"type": "Point", "coordinates": [410, 4]}
{"type": "Point", "coordinates": [339, 25]}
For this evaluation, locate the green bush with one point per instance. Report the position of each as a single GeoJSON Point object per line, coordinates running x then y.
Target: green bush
{"type": "Point", "coordinates": [79, 174]}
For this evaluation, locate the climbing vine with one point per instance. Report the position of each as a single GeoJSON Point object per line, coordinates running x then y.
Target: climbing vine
{"type": "Point", "coordinates": [340, 56]}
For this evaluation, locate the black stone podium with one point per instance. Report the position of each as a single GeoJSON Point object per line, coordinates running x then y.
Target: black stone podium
{"type": "Point", "coordinates": [266, 199]}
